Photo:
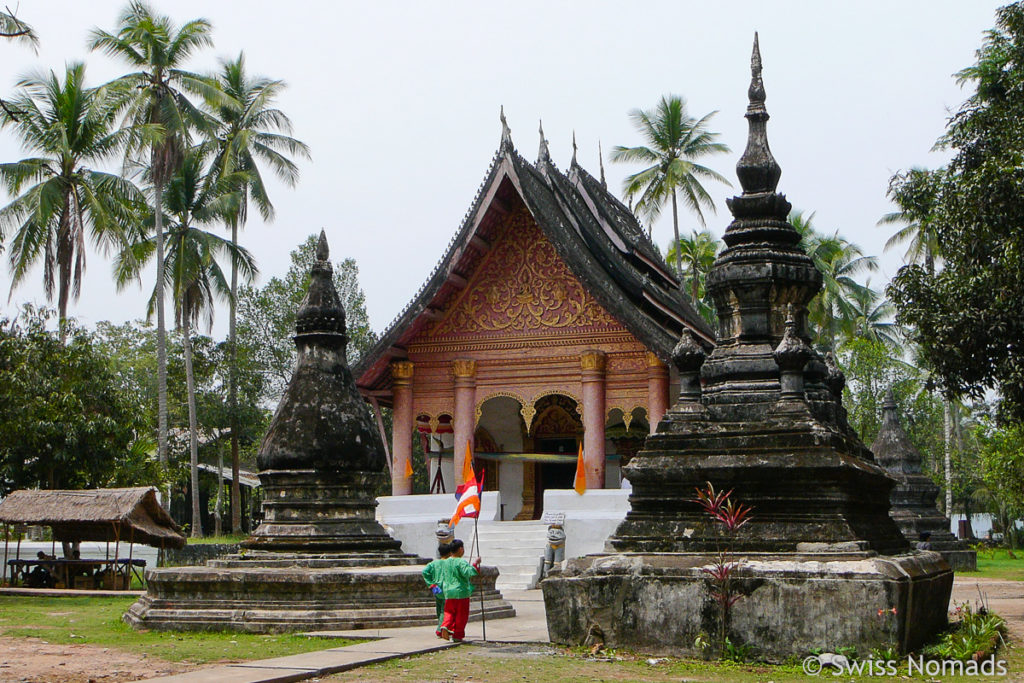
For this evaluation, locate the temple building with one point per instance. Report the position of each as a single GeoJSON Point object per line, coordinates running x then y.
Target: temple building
{"type": "Point", "coordinates": [549, 323]}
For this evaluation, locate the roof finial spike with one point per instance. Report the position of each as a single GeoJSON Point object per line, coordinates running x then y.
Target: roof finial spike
{"type": "Point", "coordinates": [506, 132]}
{"type": "Point", "coordinates": [600, 158]}
{"type": "Point", "coordinates": [543, 154]}
{"type": "Point", "coordinates": [574, 148]}
{"type": "Point", "coordinates": [757, 169]}
{"type": "Point", "coordinates": [323, 252]}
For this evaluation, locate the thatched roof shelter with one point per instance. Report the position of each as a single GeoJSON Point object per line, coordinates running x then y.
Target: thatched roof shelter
{"type": "Point", "coordinates": [131, 515]}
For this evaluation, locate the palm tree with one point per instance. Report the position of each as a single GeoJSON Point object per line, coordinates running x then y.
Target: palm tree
{"type": "Point", "coordinates": [839, 262]}
{"type": "Point", "coordinates": [675, 141]}
{"type": "Point", "coordinates": [915, 192]}
{"type": "Point", "coordinates": [156, 107]}
{"type": "Point", "coordinates": [193, 198]}
{"type": "Point", "coordinates": [250, 131]}
{"type": "Point", "coordinates": [698, 253]}
{"type": "Point", "coordinates": [13, 28]}
{"type": "Point", "coordinates": [872, 318]}
{"type": "Point", "coordinates": [60, 199]}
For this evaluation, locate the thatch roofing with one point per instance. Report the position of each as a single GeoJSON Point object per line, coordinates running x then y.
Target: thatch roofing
{"type": "Point", "coordinates": [96, 515]}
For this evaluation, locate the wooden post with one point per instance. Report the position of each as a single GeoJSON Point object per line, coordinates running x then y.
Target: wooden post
{"type": "Point", "coordinates": [7, 540]}
{"type": "Point", "coordinates": [131, 548]}
{"type": "Point", "coordinates": [117, 548]}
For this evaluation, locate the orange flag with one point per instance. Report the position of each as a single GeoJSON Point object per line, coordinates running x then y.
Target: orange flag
{"type": "Point", "coordinates": [580, 484]}
{"type": "Point", "coordinates": [408, 467]}
{"type": "Point", "coordinates": [468, 474]}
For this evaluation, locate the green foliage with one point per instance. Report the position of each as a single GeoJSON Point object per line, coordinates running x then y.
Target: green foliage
{"type": "Point", "coordinates": [60, 199]}
{"type": "Point", "coordinates": [967, 316]}
{"type": "Point", "coordinates": [69, 418]}
{"type": "Point", "coordinates": [1002, 457]}
{"type": "Point", "coordinates": [697, 254]}
{"type": "Point", "coordinates": [266, 316]}
{"type": "Point", "coordinates": [976, 635]}
{"type": "Point", "coordinates": [675, 141]}
{"type": "Point", "coordinates": [872, 368]}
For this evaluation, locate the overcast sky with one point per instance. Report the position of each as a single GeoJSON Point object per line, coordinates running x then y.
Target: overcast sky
{"type": "Point", "coordinates": [399, 103]}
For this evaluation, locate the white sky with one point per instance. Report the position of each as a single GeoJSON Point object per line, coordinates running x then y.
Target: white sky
{"type": "Point", "coordinates": [399, 103]}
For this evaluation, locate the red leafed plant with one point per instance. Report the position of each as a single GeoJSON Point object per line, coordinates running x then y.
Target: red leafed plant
{"type": "Point", "coordinates": [731, 516]}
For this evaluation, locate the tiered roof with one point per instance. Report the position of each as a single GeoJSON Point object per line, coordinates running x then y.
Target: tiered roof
{"type": "Point", "coordinates": [596, 236]}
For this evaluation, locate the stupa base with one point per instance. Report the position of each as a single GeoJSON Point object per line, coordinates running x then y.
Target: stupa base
{"type": "Point", "coordinates": [275, 599]}
{"type": "Point", "coordinates": [792, 603]}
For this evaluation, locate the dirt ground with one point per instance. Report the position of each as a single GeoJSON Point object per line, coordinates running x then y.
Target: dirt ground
{"type": "Point", "coordinates": [35, 660]}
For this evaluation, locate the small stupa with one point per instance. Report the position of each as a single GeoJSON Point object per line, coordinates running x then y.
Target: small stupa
{"type": "Point", "coordinates": [320, 559]}
{"type": "Point", "coordinates": [913, 498]}
{"type": "Point", "coordinates": [761, 414]}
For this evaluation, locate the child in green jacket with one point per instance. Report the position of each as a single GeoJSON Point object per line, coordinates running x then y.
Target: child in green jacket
{"type": "Point", "coordinates": [456, 575]}
{"type": "Point", "coordinates": [432, 576]}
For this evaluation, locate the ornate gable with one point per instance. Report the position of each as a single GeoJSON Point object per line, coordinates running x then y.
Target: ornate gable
{"type": "Point", "coordinates": [521, 287]}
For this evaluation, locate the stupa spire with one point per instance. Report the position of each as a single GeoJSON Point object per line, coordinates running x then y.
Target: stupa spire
{"type": "Point", "coordinates": [757, 169]}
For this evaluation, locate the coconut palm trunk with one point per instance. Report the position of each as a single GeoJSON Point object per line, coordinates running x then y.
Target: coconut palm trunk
{"type": "Point", "coordinates": [161, 340]}
{"type": "Point", "coordinates": [675, 231]}
{"type": "Point", "coordinates": [947, 442]}
{"type": "Point", "coordinates": [193, 429]}
{"type": "Point", "coordinates": [236, 493]}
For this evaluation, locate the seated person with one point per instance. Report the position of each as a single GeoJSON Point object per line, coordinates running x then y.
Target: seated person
{"type": "Point", "coordinates": [40, 576]}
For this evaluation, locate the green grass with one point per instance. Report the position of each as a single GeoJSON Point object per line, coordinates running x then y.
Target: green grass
{"type": "Point", "coordinates": [97, 621]}
{"type": "Point", "coordinates": [996, 563]}
{"type": "Point", "coordinates": [551, 664]}
{"type": "Point", "coordinates": [226, 538]}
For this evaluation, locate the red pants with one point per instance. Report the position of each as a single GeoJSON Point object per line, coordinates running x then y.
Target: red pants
{"type": "Point", "coordinates": [456, 614]}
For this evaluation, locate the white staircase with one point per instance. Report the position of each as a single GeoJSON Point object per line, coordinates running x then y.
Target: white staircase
{"type": "Point", "coordinates": [516, 549]}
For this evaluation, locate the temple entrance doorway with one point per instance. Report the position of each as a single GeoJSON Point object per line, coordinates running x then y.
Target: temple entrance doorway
{"type": "Point", "coordinates": [556, 433]}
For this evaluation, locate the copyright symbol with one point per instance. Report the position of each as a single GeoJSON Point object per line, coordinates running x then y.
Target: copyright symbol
{"type": "Point", "coordinates": [811, 665]}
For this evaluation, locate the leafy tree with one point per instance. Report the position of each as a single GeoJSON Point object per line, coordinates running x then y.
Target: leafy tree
{"type": "Point", "coordinates": [675, 141]}
{"type": "Point", "coordinates": [68, 418]}
{"type": "Point", "coordinates": [159, 112]}
{"type": "Point", "coordinates": [195, 277]}
{"type": "Point", "coordinates": [267, 316]}
{"type": "Point", "coordinates": [872, 318]}
{"type": "Point", "coordinates": [966, 317]}
{"type": "Point", "coordinates": [61, 199]}
{"type": "Point", "coordinates": [698, 254]}
{"type": "Point", "coordinates": [1002, 457]}
{"type": "Point", "coordinates": [250, 132]}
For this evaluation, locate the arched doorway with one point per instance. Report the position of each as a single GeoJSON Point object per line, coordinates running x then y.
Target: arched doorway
{"type": "Point", "coordinates": [554, 439]}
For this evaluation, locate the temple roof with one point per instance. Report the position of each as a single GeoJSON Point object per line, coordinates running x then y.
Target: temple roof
{"type": "Point", "coordinates": [597, 237]}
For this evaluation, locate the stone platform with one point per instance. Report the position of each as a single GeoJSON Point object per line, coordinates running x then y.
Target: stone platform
{"type": "Point", "coordinates": [792, 602]}
{"type": "Point", "coordinates": [259, 594]}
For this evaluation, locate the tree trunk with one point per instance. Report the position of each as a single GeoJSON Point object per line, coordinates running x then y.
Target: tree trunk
{"type": "Point", "coordinates": [217, 524]}
{"type": "Point", "coordinates": [161, 341]}
{"type": "Point", "coordinates": [675, 232]}
{"type": "Point", "coordinates": [236, 494]}
{"type": "Point", "coordinates": [193, 435]}
{"type": "Point", "coordinates": [947, 443]}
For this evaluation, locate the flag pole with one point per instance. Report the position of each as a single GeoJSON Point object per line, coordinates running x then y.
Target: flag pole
{"type": "Point", "coordinates": [476, 538]}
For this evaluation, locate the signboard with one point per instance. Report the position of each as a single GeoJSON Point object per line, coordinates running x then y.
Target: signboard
{"type": "Point", "coordinates": [549, 517]}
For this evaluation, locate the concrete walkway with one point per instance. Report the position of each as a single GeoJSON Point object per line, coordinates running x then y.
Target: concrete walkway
{"type": "Point", "coordinates": [527, 626]}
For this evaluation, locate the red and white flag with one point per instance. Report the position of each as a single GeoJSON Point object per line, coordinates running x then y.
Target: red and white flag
{"type": "Point", "coordinates": [468, 504]}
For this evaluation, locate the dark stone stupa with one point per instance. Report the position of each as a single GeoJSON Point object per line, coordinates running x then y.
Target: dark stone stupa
{"type": "Point", "coordinates": [320, 559]}
{"type": "Point", "coordinates": [761, 415]}
{"type": "Point", "coordinates": [914, 496]}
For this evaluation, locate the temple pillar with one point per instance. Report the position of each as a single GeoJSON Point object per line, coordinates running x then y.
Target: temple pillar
{"type": "Point", "coordinates": [592, 364]}
{"type": "Point", "coordinates": [401, 430]}
{"type": "Point", "coordinates": [657, 390]}
{"type": "Point", "coordinates": [464, 371]}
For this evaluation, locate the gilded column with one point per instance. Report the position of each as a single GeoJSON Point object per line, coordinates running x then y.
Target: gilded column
{"type": "Point", "coordinates": [401, 430]}
{"type": "Point", "coordinates": [592, 364]}
{"type": "Point", "coordinates": [464, 371]}
{"type": "Point", "coordinates": [657, 390]}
